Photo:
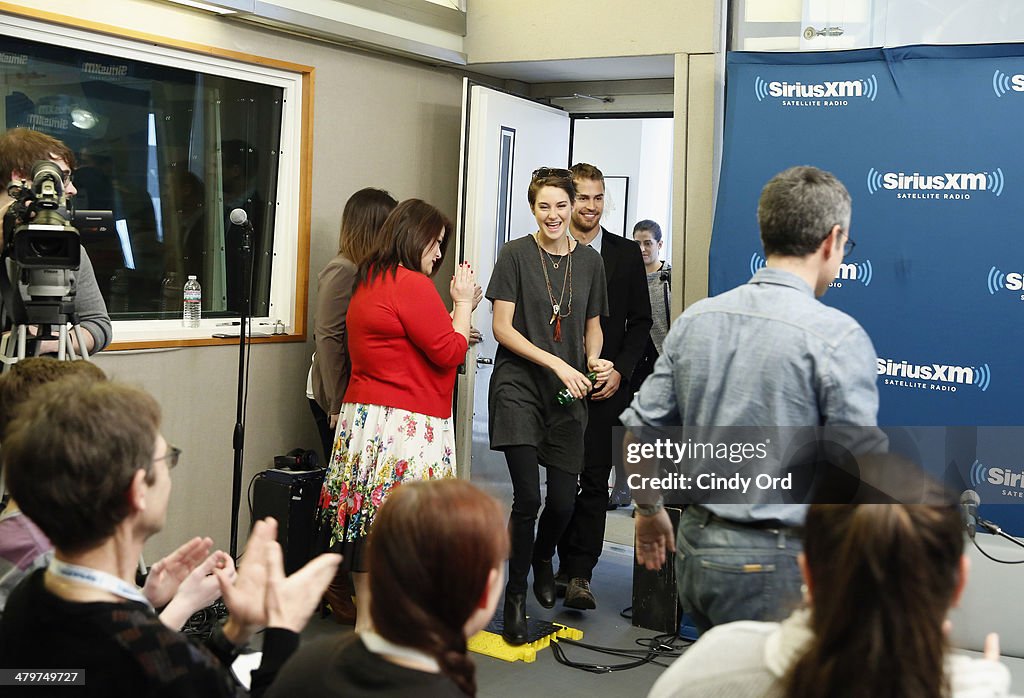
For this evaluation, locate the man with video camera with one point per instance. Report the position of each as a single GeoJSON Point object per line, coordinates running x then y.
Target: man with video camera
{"type": "Point", "coordinates": [20, 150]}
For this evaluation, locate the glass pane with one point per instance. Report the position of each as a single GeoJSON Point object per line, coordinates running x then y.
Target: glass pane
{"type": "Point", "coordinates": [171, 152]}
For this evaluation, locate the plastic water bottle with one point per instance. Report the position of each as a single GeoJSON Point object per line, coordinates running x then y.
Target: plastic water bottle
{"type": "Point", "coordinates": [193, 302]}
{"type": "Point", "coordinates": [564, 397]}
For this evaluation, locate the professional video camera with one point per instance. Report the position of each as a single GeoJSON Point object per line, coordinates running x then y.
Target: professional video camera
{"type": "Point", "coordinates": [37, 236]}
{"type": "Point", "coordinates": [41, 253]}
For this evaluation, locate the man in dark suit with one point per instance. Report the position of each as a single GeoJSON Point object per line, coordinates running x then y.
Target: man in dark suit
{"type": "Point", "coordinates": [626, 329]}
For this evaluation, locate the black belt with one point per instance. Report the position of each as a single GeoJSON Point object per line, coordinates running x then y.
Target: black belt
{"type": "Point", "coordinates": [707, 516]}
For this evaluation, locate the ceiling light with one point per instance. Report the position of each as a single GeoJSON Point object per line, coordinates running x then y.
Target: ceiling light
{"type": "Point", "coordinates": [83, 119]}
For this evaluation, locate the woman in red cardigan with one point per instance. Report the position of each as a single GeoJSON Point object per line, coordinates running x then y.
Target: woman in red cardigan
{"type": "Point", "coordinates": [396, 420]}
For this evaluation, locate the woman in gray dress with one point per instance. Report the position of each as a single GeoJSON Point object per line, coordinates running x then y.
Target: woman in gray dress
{"type": "Point", "coordinates": [548, 293]}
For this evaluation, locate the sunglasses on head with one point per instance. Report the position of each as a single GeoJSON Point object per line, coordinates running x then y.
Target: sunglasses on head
{"type": "Point", "coordinates": [543, 172]}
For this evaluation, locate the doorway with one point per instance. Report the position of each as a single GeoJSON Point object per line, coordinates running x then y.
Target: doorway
{"type": "Point", "coordinates": [505, 138]}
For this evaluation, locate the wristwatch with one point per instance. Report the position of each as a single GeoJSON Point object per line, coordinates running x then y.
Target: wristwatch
{"type": "Point", "coordinates": [649, 509]}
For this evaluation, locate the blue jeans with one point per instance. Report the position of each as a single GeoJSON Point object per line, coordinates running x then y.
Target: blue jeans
{"type": "Point", "coordinates": [727, 571]}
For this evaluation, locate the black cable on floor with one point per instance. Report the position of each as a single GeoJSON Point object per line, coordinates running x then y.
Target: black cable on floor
{"type": "Point", "coordinates": [666, 646]}
{"type": "Point", "coordinates": [995, 559]}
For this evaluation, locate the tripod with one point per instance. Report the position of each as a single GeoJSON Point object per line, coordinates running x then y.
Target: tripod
{"type": "Point", "coordinates": [37, 301]}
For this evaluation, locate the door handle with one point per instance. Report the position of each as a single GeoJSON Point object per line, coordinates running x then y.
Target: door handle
{"type": "Point", "coordinates": [811, 32]}
{"type": "Point", "coordinates": [484, 361]}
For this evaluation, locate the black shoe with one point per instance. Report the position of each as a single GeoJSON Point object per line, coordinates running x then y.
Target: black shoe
{"type": "Point", "coordinates": [544, 583]}
{"type": "Point", "coordinates": [561, 582]}
{"type": "Point", "coordinates": [578, 595]}
{"type": "Point", "coordinates": [513, 628]}
{"type": "Point", "coordinates": [618, 498]}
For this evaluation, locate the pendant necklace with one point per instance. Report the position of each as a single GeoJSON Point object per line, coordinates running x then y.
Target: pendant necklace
{"type": "Point", "coordinates": [556, 306]}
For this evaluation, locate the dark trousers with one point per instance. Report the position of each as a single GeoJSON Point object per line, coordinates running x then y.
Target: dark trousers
{"type": "Point", "coordinates": [581, 545]}
{"type": "Point", "coordinates": [323, 427]}
{"type": "Point", "coordinates": [524, 470]}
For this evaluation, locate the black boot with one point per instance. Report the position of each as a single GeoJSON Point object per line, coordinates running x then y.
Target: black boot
{"type": "Point", "coordinates": [514, 626]}
{"type": "Point", "coordinates": [544, 583]}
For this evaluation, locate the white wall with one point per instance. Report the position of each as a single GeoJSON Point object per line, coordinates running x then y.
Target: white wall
{"type": "Point", "coordinates": [377, 121]}
{"type": "Point", "coordinates": [640, 149]}
{"type": "Point", "coordinates": [532, 30]}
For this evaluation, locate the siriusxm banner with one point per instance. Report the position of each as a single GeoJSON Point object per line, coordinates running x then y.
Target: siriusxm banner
{"type": "Point", "coordinates": [927, 141]}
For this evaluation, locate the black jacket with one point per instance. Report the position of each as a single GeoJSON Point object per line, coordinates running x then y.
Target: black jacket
{"type": "Point", "coordinates": [628, 324]}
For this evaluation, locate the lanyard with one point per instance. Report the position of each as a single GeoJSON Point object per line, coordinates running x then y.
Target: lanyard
{"type": "Point", "coordinates": [97, 580]}
{"type": "Point", "coordinates": [379, 645]}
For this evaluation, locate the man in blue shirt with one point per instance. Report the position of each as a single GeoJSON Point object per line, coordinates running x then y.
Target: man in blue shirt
{"type": "Point", "coordinates": [767, 353]}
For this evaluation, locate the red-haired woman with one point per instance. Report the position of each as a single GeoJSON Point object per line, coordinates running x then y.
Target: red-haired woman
{"type": "Point", "coordinates": [422, 610]}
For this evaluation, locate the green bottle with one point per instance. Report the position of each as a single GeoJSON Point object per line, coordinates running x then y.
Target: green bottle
{"type": "Point", "coordinates": [564, 397]}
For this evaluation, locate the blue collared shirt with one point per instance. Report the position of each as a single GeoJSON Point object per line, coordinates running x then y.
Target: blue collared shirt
{"type": "Point", "coordinates": [767, 353]}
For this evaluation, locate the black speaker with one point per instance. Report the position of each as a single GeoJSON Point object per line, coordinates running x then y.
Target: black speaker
{"type": "Point", "coordinates": [655, 599]}
{"type": "Point", "coordinates": [291, 498]}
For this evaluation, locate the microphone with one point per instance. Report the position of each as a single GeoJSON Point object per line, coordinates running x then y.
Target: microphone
{"type": "Point", "coordinates": [969, 502]}
{"type": "Point", "coordinates": [238, 216]}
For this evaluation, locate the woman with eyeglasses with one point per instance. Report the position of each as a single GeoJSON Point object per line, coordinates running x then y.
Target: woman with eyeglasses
{"type": "Point", "coordinates": [548, 294]}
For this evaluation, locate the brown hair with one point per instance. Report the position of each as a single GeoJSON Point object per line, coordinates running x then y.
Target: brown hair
{"type": "Point", "coordinates": [20, 381]}
{"type": "Point", "coordinates": [364, 214]}
{"type": "Point", "coordinates": [408, 230]}
{"type": "Point", "coordinates": [20, 148]}
{"type": "Point", "coordinates": [71, 454]}
{"type": "Point", "coordinates": [431, 550]}
{"type": "Point", "coordinates": [549, 177]}
{"type": "Point", "coordinates": [584, 170]}
{"type": "Point", "coordinates": [887, 574]}
{"type": "Point", "coordinates": [798, 209]}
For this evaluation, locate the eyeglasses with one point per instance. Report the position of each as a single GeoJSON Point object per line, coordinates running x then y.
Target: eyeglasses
{"type": "Point", "coordinates": [69, 177]}
{"type": "Point", "coordinates": [848, 245]}
{"type": "Point", "coordinates": [543, 172]}
{"type": "Point", "coordinates": [172, 456]}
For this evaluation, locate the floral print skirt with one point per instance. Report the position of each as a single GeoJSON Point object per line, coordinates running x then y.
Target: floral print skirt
{"type": "Point", "coordinates": [376, 449]}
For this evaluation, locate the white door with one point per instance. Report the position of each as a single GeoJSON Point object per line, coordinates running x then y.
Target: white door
{"type": "Point", "coordinates": [504, 140]}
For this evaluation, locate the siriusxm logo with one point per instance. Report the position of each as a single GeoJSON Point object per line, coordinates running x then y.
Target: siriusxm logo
{"type": "Point", "coordinates": [997, 281]}
{"type": "Point", "coordinates": [1000, 477]}
{"type": "Point", "coordinates": [939, 376]}
{"type": "Point", "coordinates": [105, 69]}
{"type": "Point", "coordinates": [1003, 83]}
{"type": "Point", "coordinates": [13, 58]}
{"type": "Point", "coordinates": [947, 185]}
{"type": "Point", "coordinates": [832, 93]}
{"type": "Point", "coordinates": [860, 272]}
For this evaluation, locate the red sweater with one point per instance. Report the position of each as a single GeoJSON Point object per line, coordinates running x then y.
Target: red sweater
{"type": "Point", "coordinates": [404, 350]}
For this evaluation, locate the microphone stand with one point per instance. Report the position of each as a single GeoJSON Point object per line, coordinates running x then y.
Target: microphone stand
{"type": "Point", "coordinates": [994, 528]}
{"type": "Point", "coordinates": [238, 437]}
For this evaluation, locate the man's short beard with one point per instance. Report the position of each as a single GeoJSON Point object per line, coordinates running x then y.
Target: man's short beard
{"type": "Point", "coordinates": [579, 225]}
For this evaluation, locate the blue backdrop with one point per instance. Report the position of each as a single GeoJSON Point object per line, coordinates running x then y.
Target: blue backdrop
{"type": "Point", "coordinates": [929, 142]}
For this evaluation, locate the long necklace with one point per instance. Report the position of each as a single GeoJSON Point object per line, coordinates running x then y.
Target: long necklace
{"type": "Point", "coordinates": [556, 306]}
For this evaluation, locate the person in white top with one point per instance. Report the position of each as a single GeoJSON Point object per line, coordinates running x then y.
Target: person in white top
{"type": "Point", "coordinates": [880, 579]}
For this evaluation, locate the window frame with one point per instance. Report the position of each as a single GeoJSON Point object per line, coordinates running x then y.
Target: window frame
{"type": "Point", "coordinates": [290, 270]}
